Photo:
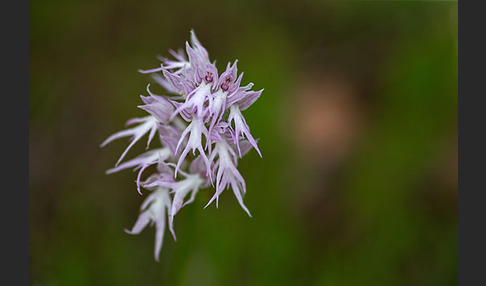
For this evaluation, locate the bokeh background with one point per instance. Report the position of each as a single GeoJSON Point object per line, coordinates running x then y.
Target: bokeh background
{"type": "Point", "coordinates": [357, 126]}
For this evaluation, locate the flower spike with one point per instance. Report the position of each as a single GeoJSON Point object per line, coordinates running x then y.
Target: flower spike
{"type": "Point", "coordinates": [202, 112]}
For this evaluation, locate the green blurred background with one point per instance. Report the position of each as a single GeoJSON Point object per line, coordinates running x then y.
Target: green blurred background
{"type": "Point", "coordinates": [357, 126]}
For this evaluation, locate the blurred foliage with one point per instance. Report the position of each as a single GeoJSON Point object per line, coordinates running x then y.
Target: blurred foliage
{"type": "Point", "coordinates": [384, 213]}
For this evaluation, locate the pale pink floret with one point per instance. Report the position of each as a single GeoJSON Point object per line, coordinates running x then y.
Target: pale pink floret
{"type": "Point", "coordinates": [148, 125]}
{"type": "Point", "coordinates": [153, 210]}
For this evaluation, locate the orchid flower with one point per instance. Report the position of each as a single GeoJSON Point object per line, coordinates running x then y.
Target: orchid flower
{"type": "Point", "coordinates": [153, 210]}
{"type": "Point", "coordinates": [202, 113]}
{"type": "Point", "coordinates": [148, 124]}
